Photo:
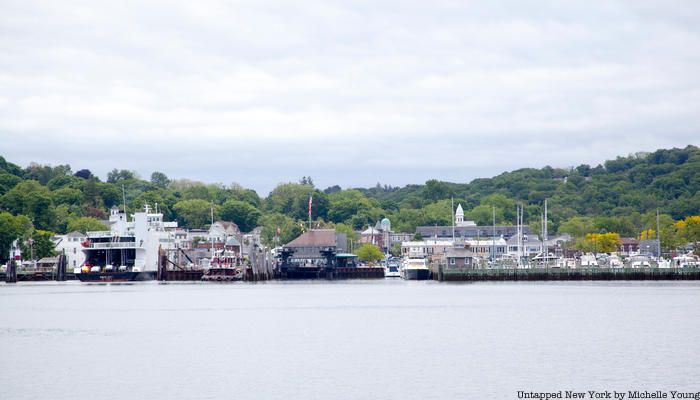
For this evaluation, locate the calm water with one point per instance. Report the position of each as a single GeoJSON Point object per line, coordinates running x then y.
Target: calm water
{"type": "Point", "coordinates": [349, 340]}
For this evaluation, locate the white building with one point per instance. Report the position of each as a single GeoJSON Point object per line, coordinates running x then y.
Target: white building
{"type": "Point", "coordinates": [436, 249]}
{"type": "Point", "coordinates": [459, 218]}
{"type": "Point", "coordinates": [72, 245]}
{"type": "Point", "coordinates": [219, 231]}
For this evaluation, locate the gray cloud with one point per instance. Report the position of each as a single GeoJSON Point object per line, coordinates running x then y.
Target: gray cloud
{"type": "Point", "coordinates": [350, 93]}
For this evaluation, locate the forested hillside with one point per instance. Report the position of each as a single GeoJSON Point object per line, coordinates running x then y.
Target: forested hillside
{"type": "Point", "coordinates": [621, 195]}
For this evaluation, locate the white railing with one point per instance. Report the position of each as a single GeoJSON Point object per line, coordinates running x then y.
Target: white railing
{"type": "Point", "coordinates": [112, 245]}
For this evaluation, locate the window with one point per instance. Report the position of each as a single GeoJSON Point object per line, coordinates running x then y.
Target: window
{"type": "Point", "coordinates": [452, 261]}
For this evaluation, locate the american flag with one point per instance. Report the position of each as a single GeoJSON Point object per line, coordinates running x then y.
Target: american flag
{"type": "Point", "coordinates": [311, 197]}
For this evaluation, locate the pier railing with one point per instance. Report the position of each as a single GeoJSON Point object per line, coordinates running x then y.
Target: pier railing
{"type": "Point", "coordinates": [443, 273]}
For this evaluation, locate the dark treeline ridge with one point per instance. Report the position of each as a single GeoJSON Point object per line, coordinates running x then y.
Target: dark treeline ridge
{"type": "Point", "coordinates": [620, 195]}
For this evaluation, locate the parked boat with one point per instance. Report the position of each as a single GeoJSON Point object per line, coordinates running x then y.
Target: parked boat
{"type": "Point", "coordinates": [415, 269]}
{"type": "Point", "coordinates": [588, 260]}
{"type": "Point", "coordinates": [391, 269]}
{"type": "Point", "coordinates": [128, 251]}
{"type": "Point", "coordinates": [614, 261]}
{"type": "Point", "coordinates": [639, 261]}
{"type": "Point", "coordinates": [223, 274]}
{"type": "Point", "coordinates": [685, 261]}
{"type": "Point", "coordinates": [565, 263]}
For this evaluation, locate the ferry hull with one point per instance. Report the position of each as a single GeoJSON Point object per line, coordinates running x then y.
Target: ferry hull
{"type": "Point", "coordinates": [418, 274]}
{"type": "Point", "coordinates": [127, 276]}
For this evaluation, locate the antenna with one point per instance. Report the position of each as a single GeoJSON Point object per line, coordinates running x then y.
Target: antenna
{"type": "Point", "coordinates": [124, 202]}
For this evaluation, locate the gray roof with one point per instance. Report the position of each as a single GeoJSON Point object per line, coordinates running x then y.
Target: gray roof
{"type": "Point", "coordinates": [76, 234]}
{"type": "Point", "coordinates": [459, 252]}
{"type": "Point", "coordinates": [315, 238]}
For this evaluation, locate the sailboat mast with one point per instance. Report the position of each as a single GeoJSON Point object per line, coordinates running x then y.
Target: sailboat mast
{"type": "Point", "coordinates": [493, 234]}
{"type": "Point", "coordinates": [453, 221]}
{"type": "Point", "coordinates": [658, 233]}
{"type": "Point", "coordinates": [546, 234]}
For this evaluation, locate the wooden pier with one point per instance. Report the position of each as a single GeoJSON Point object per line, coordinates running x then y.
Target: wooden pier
{"type": "Point", "coordinates": [442, 273]}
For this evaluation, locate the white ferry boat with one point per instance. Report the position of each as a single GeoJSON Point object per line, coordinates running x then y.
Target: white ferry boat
{"type": "Point", "coordinates": [128, 251]}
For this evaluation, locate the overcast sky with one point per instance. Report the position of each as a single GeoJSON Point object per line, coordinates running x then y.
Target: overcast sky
{"type": "Point", "coordinates": [350, 93]}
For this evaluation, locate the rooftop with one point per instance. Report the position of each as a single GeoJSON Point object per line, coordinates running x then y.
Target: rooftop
{"type": "Point", "coordinates": [315, 238]}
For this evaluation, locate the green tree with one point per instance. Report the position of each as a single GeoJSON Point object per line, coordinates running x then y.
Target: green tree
{"type": "Point", "coordinates": [289, 229]}
{"type": "Point", "coordinates": [33, 200]}
{"type": "Point", "coordinates": [86, 224]}
{"type": "Point", "coordinates": [194, 213]}
{"type": "Point", "coordinates": [435, 190]}
{"type": "Point", "coordinates": [11, 229]}
{"type": "Point", "coordinates": [369, 253]}
{"type": "Point", "coordinates": [39, 244]}
{"type": "Point", "coordinates": [160, 179]}
{"type": "Point", "coordinates": [689, 230]}
{"type": "Point", "coordinates": [67, 196]}
{"type": "Point", "coordinates": [577, 226]}
{"type": "Point", "coordinates": [599, 242]}
{"type": "Point", "coordinates": [243, 214]}
{"type": "Point", "coordinates": [483, 215]}
{"type": "Point", "coordinates": [352, 206]}
{"type": "Point", "coordinates": [115, 176]}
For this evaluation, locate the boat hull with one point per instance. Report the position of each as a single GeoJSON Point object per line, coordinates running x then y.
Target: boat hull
{"type": "Point", "coordinates": [418, 274]}
{"type": "Point", "coordinates": [126, 276]}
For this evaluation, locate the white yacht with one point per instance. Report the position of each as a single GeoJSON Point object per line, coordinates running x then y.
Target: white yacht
{"type": "Point", "coordinates": [614, 261]}
{"type": "Point", "coordinates": [414, 269]}
{"type": "Point", "coordinates": [588, 260]}
{"type": "Point", "coordinates": [639, 262]}
{"type": "Point", "coordinates": [391, 269]}
{"type": "Point", "coordinates": [685, 261]}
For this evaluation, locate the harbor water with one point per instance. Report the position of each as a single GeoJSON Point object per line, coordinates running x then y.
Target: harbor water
{"type": "Point", "coordinates": [365, 339]}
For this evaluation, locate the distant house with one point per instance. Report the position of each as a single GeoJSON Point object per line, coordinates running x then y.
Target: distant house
{"type": "Point", "coordinates": [72, 245]}
{"type": "Point", "coordinates": [220, 230]}
{"type": "Point", "coordinates": [650, 247]}
{"type": "Point", "coordinates": [309, 245]}
{"type": "Point", "coordinates": [460, 257]}
{"type": "Point", "coordinates": [629, 245]}
{"type": "Point", "coordinates": [531, 246]}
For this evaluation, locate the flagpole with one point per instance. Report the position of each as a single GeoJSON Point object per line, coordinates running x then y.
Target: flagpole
{"type": "Point", "coordinates": [310, 202]}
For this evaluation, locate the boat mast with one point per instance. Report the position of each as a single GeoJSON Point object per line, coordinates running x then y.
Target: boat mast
{"type": "Point", "coordinates": [493, 235]}
{"type": "Point", "coordinates": [453, 221]}
{"type": "Point", "coordinates": [658, 233]}
{"type": "Point", "coordinates": [544, 242]}
{"type": "Point", "coordinates": [211, 238]}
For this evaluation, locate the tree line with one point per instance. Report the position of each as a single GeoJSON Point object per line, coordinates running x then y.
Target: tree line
{"type": "Point", "coordinates": [619, 196]}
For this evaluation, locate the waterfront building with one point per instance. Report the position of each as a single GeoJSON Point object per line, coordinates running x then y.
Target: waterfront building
{"type": "Point", "coordinates": [460, 257]}
{"type": "Point", "coordinates": [435, 250]}
{"type": "Point", "coordinates": [307, 248]}
{"type": "Point", "coordinates": [530, 246]}
{"type": "Point", "coordinates": [219, 231]}
{"type": "Point", "coordinates": [468, 229]}
{"type": "Point", "coordinates": [629, 246]}
{"type": "Point", "coordinates": [71, 245]}
{"type": "Point", "coordinates": [382, 236]}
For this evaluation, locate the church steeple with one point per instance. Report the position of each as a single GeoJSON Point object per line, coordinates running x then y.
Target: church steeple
{"type": "Point", "coordinates": [459, 215]}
